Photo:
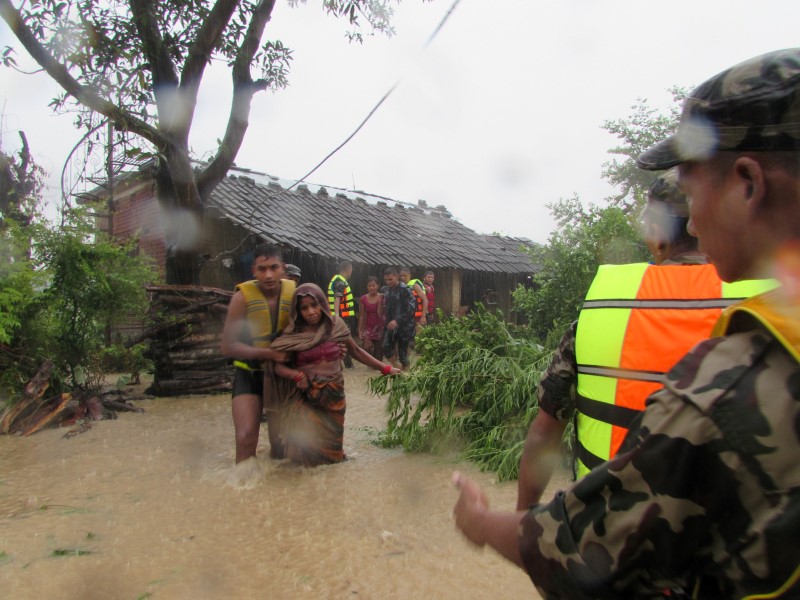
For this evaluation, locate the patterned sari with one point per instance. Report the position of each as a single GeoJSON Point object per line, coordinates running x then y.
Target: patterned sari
{"type": "Point", "coordinates": [312, 424]}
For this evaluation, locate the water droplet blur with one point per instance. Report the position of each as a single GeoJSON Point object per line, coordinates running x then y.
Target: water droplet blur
{"type": "Point", "coordinates": [696, 140]}
{"type": "Point", "coordinates": [182, 228]}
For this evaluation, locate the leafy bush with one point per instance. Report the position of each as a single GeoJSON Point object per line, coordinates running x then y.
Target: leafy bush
{"type": "Point", "coordinates": [60, 302]}
{"type": "Point", "coordinates": [585, 238]}
{"type": "Point", "coordinates": [472, 390]}
{"type": "Point", "coordinates": [117, 358]}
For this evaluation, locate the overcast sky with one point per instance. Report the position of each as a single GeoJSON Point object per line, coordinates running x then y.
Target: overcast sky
{"type": "Point", "coordinates": [500, 115]}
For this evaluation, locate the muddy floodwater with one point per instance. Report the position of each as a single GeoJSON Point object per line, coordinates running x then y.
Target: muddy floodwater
{"type": "Point", "coordinates": [150, 506]}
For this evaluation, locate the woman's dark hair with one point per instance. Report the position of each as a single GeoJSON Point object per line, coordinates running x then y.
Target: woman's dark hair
{"type": "Point", "coordinates": [373, 278]}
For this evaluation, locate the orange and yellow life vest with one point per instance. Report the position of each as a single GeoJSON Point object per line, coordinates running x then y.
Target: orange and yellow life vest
{"type": "Point", "coordinates": [412, 285]}
{"type": "Point", "coordinates": [637, 321]}
{"type": "Point", "coordinates": [347, 306]}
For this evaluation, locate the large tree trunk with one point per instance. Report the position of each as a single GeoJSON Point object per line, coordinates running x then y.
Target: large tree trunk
{"type": "Point", "coordinates": [183, 218]}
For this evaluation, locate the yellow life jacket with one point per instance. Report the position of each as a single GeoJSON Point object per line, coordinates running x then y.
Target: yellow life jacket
{"type": "Point", "coordinates": [637, 321]}
{"type": "Point", "coordinates": [346, 304]}
{"type": "Point", "coordinates": [264, 326]}
{"type": "Point", "coordinates": [775, 312]}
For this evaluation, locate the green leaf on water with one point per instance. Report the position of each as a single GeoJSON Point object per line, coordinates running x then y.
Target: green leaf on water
{"type": "Point", "coordinates": [70, 552]}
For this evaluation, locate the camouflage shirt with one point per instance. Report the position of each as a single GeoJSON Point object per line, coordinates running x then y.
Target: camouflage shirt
{"type": "Point", "coordinates": [703, 497]}
{"type": "Point", "coordinates": [555, 392]}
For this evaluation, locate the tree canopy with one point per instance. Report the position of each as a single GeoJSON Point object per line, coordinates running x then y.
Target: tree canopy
{"type": "Point", "coordinates": [140, 64]}
{"type": "Point", "coordinates": [644, 127]}
{"type": "Point", "coordinates": [587, 236]}
{"type": "Point", "coordinates": [584, 238]}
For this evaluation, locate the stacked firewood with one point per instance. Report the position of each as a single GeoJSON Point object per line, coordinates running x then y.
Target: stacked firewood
{"type": "Point", "coordinates": [184, 340]}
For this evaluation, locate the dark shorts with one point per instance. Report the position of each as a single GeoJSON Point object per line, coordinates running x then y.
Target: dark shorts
{"type": "Point", "coordinates": [248, 382]}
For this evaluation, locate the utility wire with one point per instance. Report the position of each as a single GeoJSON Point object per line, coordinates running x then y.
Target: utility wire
{"type": "Point", "coordinates": [381, 101]}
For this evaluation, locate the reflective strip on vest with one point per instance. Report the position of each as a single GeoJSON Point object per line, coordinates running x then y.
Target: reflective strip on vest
{"type": "Point", "coordinates": [346, 304]}
{"type": "Point", "coordinates": [259, 318]}
{"type": "Point", "coordinates": [637, 321]}
{"type": "Point", "coordinates": [412, 286]}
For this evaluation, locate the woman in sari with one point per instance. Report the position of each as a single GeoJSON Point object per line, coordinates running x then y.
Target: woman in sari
{"type": "Point", "coordinates": [310, 384]}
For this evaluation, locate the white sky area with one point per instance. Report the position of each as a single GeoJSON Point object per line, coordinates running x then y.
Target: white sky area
{"type": "Point", "coordinates": [498, 117]}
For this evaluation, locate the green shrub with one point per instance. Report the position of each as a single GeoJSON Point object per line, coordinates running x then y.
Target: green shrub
{"type": "Point", "coordinates": [59, 304]}
{"type": "Point", "coordinates": [473, 390]}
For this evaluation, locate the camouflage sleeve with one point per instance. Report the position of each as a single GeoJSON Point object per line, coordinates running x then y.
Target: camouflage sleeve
{"type": "Point", "coordinates": [556, 383]}
{"type": "Point", "coordinates": [708, 485]}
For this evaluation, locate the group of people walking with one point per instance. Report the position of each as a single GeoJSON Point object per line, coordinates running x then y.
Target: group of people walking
{"type": "Point", "coordinates": [388, 317]}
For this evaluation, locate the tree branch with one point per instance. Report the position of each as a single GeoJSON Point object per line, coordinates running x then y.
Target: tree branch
{"type": "Point", "coordinates": [174, 119]}
{"type": "Point", "coordinates": [243, 91]}
{"type": "Point", "coordinates": [122, 119]}
{"type": "Point", "coordinates": [208, 37]}
{"type": "Point", "coordinates": [156, 52]}
{"type": "Point", "coordinates": [199, 55]}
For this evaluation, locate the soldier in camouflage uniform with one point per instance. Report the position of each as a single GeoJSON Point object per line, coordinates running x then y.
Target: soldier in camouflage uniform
{"type": "Point", "coordinates": [703, 498]}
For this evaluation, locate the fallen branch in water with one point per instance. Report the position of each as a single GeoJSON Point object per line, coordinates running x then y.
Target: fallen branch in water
{"type": "Point", "coordinates": [32, 412]}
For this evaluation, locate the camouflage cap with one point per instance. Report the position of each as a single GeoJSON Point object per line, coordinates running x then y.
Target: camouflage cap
{"type": "Point", "coordinates": [754, 105]}
{"type": "Point", "coordinates": [292, 270]}
{"type": "Point", "coordinates": [665, 196]}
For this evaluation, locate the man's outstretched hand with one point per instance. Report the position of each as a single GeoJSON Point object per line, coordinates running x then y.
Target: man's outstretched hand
{"type": "Point", "coordinates": [470, 508]}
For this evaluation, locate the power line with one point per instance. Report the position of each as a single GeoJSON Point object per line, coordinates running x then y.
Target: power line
{"type": "Point", "coordinates": [381, 101]}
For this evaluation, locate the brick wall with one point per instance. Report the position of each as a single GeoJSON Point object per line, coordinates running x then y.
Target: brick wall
{"type": "Point", "coordinates": [137, 212]}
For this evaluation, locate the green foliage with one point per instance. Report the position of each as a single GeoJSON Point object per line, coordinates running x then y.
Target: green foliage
{"type": "Point", "coordinates": [584, 239]}
{"type": "Point", "coordinates": [16, 279]}
{"type": "Point", "coordinates": [473, 390]}
{"type": "Point", "coordinates": [60, 302]}
{"type": "Point", "coordinates": [640, 130]}
{"type": "Point", "coordinates": [20, 183]}
{"type": "Point", "coordinates": [480, 329]}
{"type": "Point", "coordinates": [94, 283]}
{"type": "Point", "coordinates": [117, 358]}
